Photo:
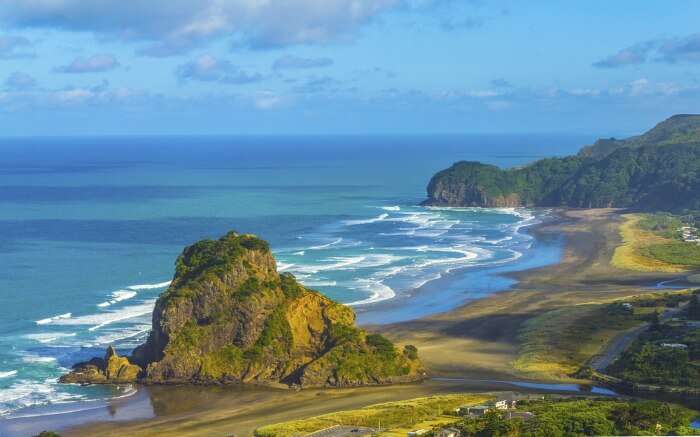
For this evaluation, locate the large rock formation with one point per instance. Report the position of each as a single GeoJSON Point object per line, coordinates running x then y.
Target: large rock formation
{"type": "Point", "coordinates": [228, 316]}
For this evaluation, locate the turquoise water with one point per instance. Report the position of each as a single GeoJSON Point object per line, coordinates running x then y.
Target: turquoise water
{"type": "Point", "coordinates": [90, 228]}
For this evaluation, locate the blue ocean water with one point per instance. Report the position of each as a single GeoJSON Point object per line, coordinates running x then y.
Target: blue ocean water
{"type": "Point", "coordinates": [90, 229]}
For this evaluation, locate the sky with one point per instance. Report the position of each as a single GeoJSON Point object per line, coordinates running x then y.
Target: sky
{"type": "Point", "coordinates": [191, 67]}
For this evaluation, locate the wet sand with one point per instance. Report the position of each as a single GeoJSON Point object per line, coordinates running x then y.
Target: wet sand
{"type": "Point", "coordinates": [473, 345]}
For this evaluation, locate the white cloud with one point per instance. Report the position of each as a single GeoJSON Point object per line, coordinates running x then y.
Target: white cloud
{"type": "Point", "coordinates": [180, 25]}
{"type": "Point", "coordinates": [93, 64]}
{"type": "Point", "coordinates": [267, 100]}
{"type": "Point", "coordinates": [208, 68]}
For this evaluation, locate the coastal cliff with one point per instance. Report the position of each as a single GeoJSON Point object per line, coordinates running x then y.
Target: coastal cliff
{"type": "Point", "coordinates": [230, 317]}
{"type": "Point", "coordinates": [659, 170]}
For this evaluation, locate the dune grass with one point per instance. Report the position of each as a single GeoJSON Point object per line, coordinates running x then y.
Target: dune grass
{"type": "Point", "coordinates": [645, 250]}
{"type": "Point", "coordinates": [392, 415]}
{"type": "Point", "coordinates": [555, 344]}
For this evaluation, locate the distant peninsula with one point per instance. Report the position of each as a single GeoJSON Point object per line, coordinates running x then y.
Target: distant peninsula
{"type": "Point", "coordinates": [230, 317]}
{"type": "Point", "coordinates": [659, 170]}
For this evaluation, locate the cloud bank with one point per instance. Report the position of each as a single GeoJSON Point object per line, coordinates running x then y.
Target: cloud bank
{"type": "Point", "coordinates": [185, 24]}
{"type": "Point", "coordinates": [669, 50]}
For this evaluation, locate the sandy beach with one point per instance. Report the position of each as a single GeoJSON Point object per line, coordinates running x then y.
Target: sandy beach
{"type": "Point", "coordinates": [480, 339]}
{"type": "Point", "coordinates": [468, 349]}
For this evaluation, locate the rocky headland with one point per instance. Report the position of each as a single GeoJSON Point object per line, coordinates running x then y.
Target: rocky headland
{"type": "Point", "coordinates": [659, 170]}
{"type": "Point", "coordinates": [230, 317]}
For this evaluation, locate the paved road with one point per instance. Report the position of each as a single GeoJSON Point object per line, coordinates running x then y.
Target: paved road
{"type": "Point", "coordinates": [616, 347]}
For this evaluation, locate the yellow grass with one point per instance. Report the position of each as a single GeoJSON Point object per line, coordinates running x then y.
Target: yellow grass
{"type": "Point", "coordinates": [557, 343]}
{"type": "Point", "coordinates": [392, 415]}
{"type": "Point", "coordinates": [628, 255]}
{"type": "Point", "coordinates": [440, 421]}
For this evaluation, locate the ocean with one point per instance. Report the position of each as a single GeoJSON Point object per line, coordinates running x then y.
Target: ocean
{"type": "Point", "coordinates": [90, 229]}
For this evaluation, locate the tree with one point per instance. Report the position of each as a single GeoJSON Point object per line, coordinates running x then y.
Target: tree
{"type": "Point", "coordinates": [655, 321]}
{"type": "Point", "coordinates": [694, 308]}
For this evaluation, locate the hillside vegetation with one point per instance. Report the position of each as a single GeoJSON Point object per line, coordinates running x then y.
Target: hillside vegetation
{"type": "Point", "coordinates": [659, 170]}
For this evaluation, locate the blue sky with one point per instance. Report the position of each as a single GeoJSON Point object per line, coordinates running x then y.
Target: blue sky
{"type": "Point", "coordinates": [76, 67]}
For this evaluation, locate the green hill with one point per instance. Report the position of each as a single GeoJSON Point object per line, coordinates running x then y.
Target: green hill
{"type": "Point", "coordinates": [659, 170]}
{"type": "Point", "coordinates": [679, 129]}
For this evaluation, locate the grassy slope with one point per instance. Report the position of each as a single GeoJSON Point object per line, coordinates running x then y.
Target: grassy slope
{"type": "Point", "coordinates": [393, 416]}
{"type": "Point", "coordinates": [634, 253]}
{"type": "Point", "coordinates": [556, 344]}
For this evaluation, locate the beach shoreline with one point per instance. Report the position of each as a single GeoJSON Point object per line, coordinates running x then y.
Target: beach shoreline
{"type": "Point", "coordinates": [467, 347]}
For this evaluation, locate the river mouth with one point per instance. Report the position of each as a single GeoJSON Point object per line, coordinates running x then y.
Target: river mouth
{"type": "Point", "coordinates": [541, 386]}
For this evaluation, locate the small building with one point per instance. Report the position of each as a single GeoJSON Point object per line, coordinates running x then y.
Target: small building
{"type": "Point", "coordinates": [501, 404]}
{"type": "Point", "coordinates": [417, 432]}
{"type": "Point", "coordinates": [448, 432]}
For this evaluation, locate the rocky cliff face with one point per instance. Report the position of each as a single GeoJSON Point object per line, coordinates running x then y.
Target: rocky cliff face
{"type": "Point", "coordinates": [472, 184]}
{"type": "Point", "coordinates": [228, 316]}
{"type": "Point", "coordinates": [466, 194]}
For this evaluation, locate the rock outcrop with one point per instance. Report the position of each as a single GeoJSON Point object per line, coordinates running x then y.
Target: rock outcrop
{"type": "Point", "coordinates": [230, 317]}
{"type": "Point", "coordinates": [112, 369]}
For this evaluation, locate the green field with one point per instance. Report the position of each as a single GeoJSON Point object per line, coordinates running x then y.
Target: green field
{"type": "Point", "coordinates": [652, 243]}
{"type": "Point", "coordinates": [675, 252]}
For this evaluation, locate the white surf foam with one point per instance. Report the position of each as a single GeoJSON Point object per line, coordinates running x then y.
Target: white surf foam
{"type": "Point", "coordinates": [134, 332]}
{"type": "Point", "coordinates": [149, 286]}
{"type": "Point", "coordinates": [38, 359]}
{"type": "Point", "coordinates": [49, 337]}
{"type": "Point", "coordinates": [320, 283]}
{"type": "Point", "coordinates": [379, 218]}
{"type": "Point", "coordinates": [118, 296]}
{"type": "Point", "coordinates": [105, 318]}
{"type": "Point", "coordinates": [300, 253]}
{"type": "Point", "coordinates": [283, 266]}
{"type": "Point", "coordinates": [377, 290]}
{"type": "Point", "coordinates": [339, 263]}
{"type": "Point", "coordinates": [48, 320]}
{"type": "Point", "coordinates": [8, 374]}
{"type": "Point", "coordinates": [391, 208]}
{"type": "Point", "coordinates": [327, 245]}
{"type": "Point", "coordinates": [25, 393]}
